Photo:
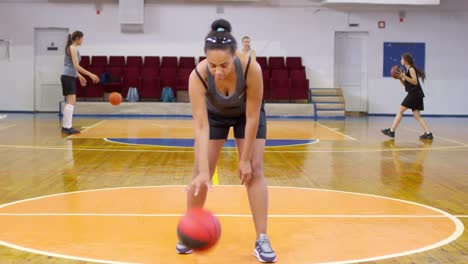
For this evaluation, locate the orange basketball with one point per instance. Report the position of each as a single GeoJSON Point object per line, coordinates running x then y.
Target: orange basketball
{"type": "Point", "coordinates": [394, 71]}
{"type": "Point", "coordinates": [115, 98]}
{"type": "Point", "coordinates": [199, 229]}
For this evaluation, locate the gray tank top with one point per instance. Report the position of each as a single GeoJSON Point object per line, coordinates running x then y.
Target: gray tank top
{"type": "Point", "coordinates": [228, 106]}
{"type": "Point", "coordinates": [69, 69]}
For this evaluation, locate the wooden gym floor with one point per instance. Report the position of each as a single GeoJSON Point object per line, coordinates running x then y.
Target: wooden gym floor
{"type": "Point", "coordinates": [115, 192]}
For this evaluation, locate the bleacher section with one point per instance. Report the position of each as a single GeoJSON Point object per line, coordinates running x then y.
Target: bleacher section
{"type": "Point", "coordinates": [284, 79]}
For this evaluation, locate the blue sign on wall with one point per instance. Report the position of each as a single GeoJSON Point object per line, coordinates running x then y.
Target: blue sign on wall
{"type": "Point", "coordinates": [394, 50]}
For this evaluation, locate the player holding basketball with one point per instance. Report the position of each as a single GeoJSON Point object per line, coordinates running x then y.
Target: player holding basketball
{"type": "Point", "coordinates": [415, 98]}
{"type": "Point", "coordinates": [226, 91]}
{"type": "Point", "coordinates": [72, 71]}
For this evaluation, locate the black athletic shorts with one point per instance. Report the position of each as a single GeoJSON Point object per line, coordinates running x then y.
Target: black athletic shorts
{"type": "Point", "coordinates": [414, 101]}
{"type": "Point", "coordinates": [68, 85]}
{"type": "Point", "coordinates": [220, 125]}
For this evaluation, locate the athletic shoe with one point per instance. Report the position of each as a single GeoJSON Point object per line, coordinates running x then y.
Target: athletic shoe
{"type": "Point", "coordinates": [388, 132]}
{"type": "Point", "coordinates": [70, 131]}
{"type": "Point", "coordinates": [182, 249]}
{"type": "Point", "coordinates": [263, 250]}
{"type": "Point", "coordinates": [426, 136]}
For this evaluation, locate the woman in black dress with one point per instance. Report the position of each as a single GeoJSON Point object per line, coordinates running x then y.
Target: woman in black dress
{"type": "Point", "coordinates": [415, 98]}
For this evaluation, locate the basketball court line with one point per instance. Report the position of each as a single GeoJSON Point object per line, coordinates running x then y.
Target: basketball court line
{"type": "Point", "coordinates": [335, 150]}
{"type": "Point", "coordinates": [51, 254]}
{"type": "Point", "coordinates": [241, 215]}
{"type": "Point", "coordinates": [7, 127]}
{"type": "Point", "coordinates": [459, 227]}
{"type": "Point", "coordinates": [439, 137]}
{"type": "Point", "coordinates": [89, 127]}
{"type": "Point", "coordinates": [222, 185]}
{"type": "Point", "coordinates": [333, 130]}
{"type": "Point", "coordinates": [147, 130]}
{"type": "Point", "coordinates": [147, 145]}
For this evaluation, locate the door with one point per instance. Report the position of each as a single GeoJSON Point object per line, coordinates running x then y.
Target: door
{"type": "Point", "coordinates": [351, 69]}
{"type": "Point", "coordinates": [49, 55]}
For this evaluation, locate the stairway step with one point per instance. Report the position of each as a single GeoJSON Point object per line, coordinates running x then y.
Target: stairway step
{"type": "Point", "coordinates": [330, 106]}
{"type": "Point", "coordinates": [329, 113]}
{"type": "Point", "coordinates": [321, 92]}
{"type": "Point", "coordinates": [327, 99]}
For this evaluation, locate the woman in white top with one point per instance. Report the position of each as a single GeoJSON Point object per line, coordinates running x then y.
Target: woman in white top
{"type": "Point", "coordinates": [246, 50]}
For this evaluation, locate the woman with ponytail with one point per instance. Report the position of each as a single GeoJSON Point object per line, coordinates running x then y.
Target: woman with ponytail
{"type": "Point", "coordinates": [226, 91]}
{"type": "Point", "coordinates": [246, 49]}
{"type": "Point", "coordinates": [72, 70]}
{"type": "Point", "coordinates": [415, 98]}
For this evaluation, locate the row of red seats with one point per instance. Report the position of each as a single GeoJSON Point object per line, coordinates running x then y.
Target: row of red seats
{"type": "Point", "coordinates": [272, 63]}
{"type": "Point", "coordinates": [138, 62]}
{"type": "Point", "coordinates": [148, 81]}
{"type": "Point", "coordinates": [279, 63]}
{"type": "Point", "coordinates": [279, 84]}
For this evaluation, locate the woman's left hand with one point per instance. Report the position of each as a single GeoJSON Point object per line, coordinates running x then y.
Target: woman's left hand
{"type": "Point", "coordinates": [245, 171]}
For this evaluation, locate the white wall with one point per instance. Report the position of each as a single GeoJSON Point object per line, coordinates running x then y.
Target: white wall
{"type": "Point", "coordinates": [285, 31]}
{"type": "Point", "coordinates": [446, 40]}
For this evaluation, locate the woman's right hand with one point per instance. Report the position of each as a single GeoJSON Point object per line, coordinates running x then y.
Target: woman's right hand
{"type": "Point", "coordinates": [94, 78]}
{"type": "Point", "coordinates": [400, 75]}
{"type": "Point", "coordinates": [201, 180]}
{"type": "Point", "coordinates": [82, 81]}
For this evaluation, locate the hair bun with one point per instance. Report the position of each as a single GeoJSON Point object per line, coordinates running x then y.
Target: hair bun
{"type": "Point", "coordinates": [221, 24]}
